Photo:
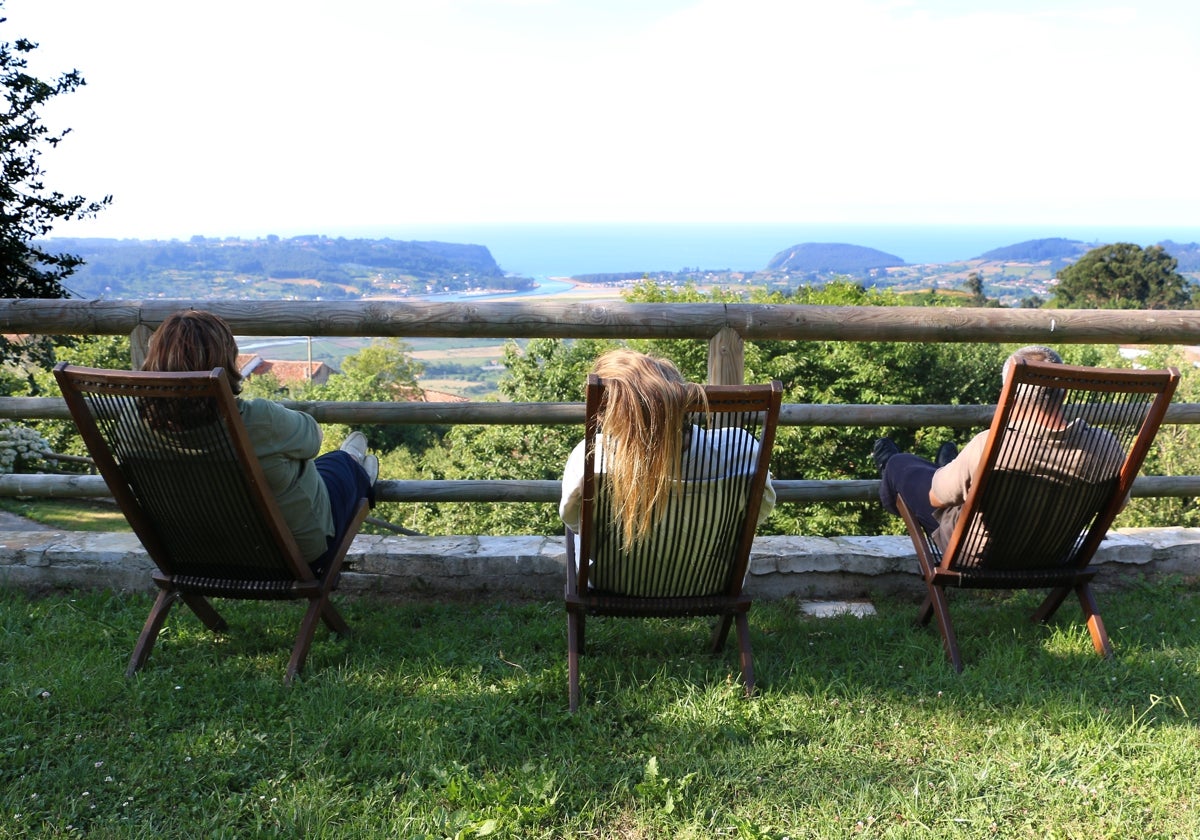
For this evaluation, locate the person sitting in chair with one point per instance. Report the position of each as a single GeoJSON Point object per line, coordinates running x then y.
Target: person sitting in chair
{"type": "Point", "coordinates": [317, 496]}
{"type": "Point", "coordinates": [935, 491]}
{"type": "Point", "coordinates": [646, 444]}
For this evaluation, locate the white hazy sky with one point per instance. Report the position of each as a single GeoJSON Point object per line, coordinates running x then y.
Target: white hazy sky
{"type": "Point", "coordinates": [248, 117]}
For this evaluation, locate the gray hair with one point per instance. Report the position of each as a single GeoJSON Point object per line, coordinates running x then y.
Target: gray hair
{"type": "Point", "coordinates": [1031, 353]}
{"type": "Point", "coordinates": [1048, 398]}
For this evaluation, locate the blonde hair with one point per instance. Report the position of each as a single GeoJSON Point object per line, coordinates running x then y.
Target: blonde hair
{"type": "Point", "coordinates": [645, 407]}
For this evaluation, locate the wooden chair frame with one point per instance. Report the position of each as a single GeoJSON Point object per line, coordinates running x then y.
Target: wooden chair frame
{"type": "Point", "coordinates": [1053, 550]}
{"type": "Point", "coordinates": [727, 569]}
{"type": "Point", "coordinates": [206, 516]}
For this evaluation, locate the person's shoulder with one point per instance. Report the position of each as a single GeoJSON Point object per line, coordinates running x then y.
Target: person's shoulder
{"type": "Point", "coordinates": [262, 410]}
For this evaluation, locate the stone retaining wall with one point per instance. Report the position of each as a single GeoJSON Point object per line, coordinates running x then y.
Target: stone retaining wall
{"type": "Point", "coordinates": [532, 568]}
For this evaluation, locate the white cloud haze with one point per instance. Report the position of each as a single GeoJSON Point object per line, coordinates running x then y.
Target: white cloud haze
{"type": "Point", "coordinates": [290, 116]}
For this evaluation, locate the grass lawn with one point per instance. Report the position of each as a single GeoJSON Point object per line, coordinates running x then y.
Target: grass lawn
{"type": "Point", "coordinates": [449, 720]}
{"type": "Point", "coordinates": [69, 514]}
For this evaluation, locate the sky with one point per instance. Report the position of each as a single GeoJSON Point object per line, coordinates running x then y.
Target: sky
{"type": "Point", "coordinates": [252, 117]}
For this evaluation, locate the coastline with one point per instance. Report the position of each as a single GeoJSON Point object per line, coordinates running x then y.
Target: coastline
{"type": "Point", "coordinates": [581, 290]}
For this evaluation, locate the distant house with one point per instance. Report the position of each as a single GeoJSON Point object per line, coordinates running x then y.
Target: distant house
{"type": "Point", "coordinates": [298, 373]}
{"type": "Point", "coordinates": [441, 397]}
{"type": "Point", "coordinates": [429, 396]}
{"type": "Point", "coordinates": [287, 372]}
{"type": "Point", "coordinates": [1133, 352]}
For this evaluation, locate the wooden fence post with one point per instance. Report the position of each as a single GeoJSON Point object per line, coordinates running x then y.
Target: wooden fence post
{"type": "Point", "coordinates": [139, 346]}
{"type": "Point", "coordinates": [726, 358]}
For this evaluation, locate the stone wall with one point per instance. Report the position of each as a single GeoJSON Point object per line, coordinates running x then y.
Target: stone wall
{"type": "Point", "coordinates": [532, 568]}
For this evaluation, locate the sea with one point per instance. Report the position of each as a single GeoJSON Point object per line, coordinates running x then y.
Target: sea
{"type": "Point", "coordinates": [565, 250]}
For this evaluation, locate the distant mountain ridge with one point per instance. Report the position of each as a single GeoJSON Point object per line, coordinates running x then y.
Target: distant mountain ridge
{"type": "Point", "coordinates": [1036, 250]}
{"type": "Point", "coordinates": [328, 268]}
{"type": "Point", "coordinates": [301, 266]}
{"type": "Point", "coordinates": [825, 257]}
{"type": "Point", "coordinates": [836, 258]}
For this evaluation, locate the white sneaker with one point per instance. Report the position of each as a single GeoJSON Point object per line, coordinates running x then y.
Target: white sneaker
{"type": "Point", "coordinates": [356, 446]}
{"type": "Point", "coordinates": [370, 466]}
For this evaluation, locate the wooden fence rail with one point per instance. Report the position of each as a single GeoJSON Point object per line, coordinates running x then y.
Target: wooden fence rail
{"type": "Point", "coordinates": [614, 319]}
{"type": "Point", "coordinates": [724, 326]}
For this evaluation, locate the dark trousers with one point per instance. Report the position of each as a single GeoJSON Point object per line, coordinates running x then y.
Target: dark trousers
{"type": "Point", "coordinates": [911, 477]}
{"type": "Point", "coordinates": [346, 482]}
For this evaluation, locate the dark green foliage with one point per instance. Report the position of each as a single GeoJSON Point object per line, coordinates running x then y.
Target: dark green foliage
{"type": "Point", "coordinates": [1123, 276]}
{"type": "Point", "coordinates": [28, 210]}
{"type": "Point", "coordinates": [383, 371]}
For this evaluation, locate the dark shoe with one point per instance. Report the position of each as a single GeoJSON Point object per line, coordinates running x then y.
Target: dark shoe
{"type": "Point", "coordinates": [947, 452]}
{"type": "Point", "coordinates": [882, 452]}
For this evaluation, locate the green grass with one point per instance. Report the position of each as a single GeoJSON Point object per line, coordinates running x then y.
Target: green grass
{"type": "Point", "coordinates": [449, 720]}
{"type": "Point", "coordinates": [69, 514]}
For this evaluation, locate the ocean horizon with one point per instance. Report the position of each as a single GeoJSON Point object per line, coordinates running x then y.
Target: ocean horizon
{"type": "Point", "coordinates": [560, 250]}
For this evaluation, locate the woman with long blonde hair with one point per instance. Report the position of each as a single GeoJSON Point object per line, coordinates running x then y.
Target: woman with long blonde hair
{"type": "Point", "coordinates": [645, 442]}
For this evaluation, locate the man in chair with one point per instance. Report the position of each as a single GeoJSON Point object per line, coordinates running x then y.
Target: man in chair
{"type": "Point", "coordinates": [935, 491]}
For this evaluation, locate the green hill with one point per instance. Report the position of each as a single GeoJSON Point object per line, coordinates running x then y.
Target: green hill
{"type": "Point", "coordinates": [307, 267]}
{"type": "Point", "coordinates": [831, 257]}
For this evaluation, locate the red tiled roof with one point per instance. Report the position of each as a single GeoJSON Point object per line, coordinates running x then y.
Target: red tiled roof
{"type": "Point", "coordinates": [286, 371]}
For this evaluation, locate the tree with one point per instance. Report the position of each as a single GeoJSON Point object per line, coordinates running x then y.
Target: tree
{"type": "Point", "coordinates": [1123, 276]}
{"type": "Point", "coordinates": [28, 210]}
{"type": "Point", "coordinates": [383, 371]}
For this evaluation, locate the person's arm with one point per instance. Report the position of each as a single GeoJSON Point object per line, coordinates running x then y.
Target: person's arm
{"type": "Point", "coordinates": [952, 482]}
{"type": "Point", "coordinates": [768, 501]}
{"type": "Point", "coordinates": [571, 500]}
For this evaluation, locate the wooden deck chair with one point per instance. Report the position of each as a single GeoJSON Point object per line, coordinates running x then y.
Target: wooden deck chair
{"type": "Point", "coordinates": [176, 456]}
{"type": "Point", "coordinates": [1035, 514]}
{"type": "Point", "coordinates": [695, 560]}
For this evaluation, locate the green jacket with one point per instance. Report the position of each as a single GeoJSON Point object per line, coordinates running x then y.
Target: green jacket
{"type": "Point", "coordinates": [285, 442]}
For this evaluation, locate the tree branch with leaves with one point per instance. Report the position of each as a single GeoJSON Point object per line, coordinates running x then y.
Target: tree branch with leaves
{"type": "Point", "coordinates": [28, 210]}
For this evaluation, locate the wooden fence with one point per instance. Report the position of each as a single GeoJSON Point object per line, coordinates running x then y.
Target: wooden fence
{"type": "Point", "coordinates": [724, 326]}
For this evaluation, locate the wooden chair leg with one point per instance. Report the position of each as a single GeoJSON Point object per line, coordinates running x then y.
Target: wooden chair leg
{"type": "Point", "coordinates": [926, 612]}
{"type": "Point", "coordinates": [154, 622]}
{"type": "Point", "coordinates": [941, 609]}
{"type": "Point", "coordinates": [720, 633]}
{"type": "Point", "coordinates": [1051, 604]}
{"type": "Point", "coordinates": [304, 638]}
{"type": "Point", "coordinates": [1091, 613]}
{"type": "Point", "coordinates": [333, 619]}
{"type": "Point", "coordinates": [205, 612]}
{"type": "Point", "coordinates": [575, 622]}
{"type": "Point", "coordinates": [745, 655]}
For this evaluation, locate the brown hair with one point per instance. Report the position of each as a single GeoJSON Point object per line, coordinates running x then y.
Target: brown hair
{"type": "Point", "coordinates": [194, 340]}
{"type": "Point", "coordinates": [643, 415]}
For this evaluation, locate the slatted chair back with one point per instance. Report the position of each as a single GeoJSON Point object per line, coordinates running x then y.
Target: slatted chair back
{"type": "Point", "coordinates": [1063, 450]}
{"type": "Point", "coordinates": [695, 559]}
{"type": "Point", "coordinates": [1065, 446]}
{"type": "Point", "coordinates": [176, 456]}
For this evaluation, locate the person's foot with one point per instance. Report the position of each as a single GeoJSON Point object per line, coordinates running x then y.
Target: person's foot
{"type": "Point", "coordinates": [946, 453]}
{"type": "Point", "coordinates": [356, 446]}
{"type": "Point", "coordinates": [370, 465]}
{"type": "Point", "coordinates": [882, 452]}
